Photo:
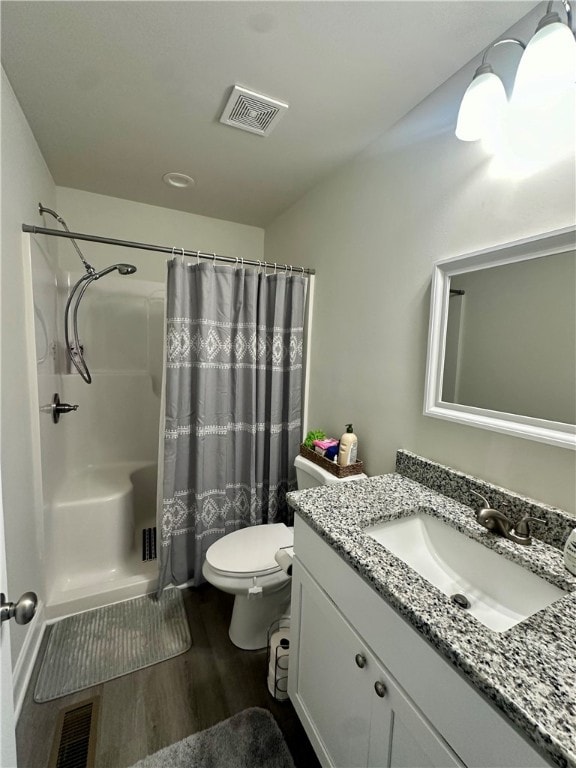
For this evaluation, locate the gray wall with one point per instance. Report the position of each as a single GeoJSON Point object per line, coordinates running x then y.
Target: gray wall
{"type": "Point", "coordinates": [373, 230]}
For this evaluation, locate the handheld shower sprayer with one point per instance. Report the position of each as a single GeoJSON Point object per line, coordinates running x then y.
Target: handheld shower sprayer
{"type": "Point", "coordinates": [74, 348]}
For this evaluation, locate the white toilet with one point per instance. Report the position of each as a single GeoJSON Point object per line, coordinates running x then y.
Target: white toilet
{"type": "Point", "coordinates": [242, 563]}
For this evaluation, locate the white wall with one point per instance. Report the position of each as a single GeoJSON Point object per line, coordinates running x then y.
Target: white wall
{"type": "Point", "coordinates": [372, 230]}
{"type": "Point", "coordinates": [25, 180]}
{"type": "Point", "coordinates": [126, 220]}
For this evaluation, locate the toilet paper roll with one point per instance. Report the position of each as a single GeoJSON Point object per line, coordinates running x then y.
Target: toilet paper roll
{"type": "Point", "coordinates": [279, 650]}
{"type": "Point", "coordinates": [278, 665]}
{"type": "Point", "coordinates": [284, 559]}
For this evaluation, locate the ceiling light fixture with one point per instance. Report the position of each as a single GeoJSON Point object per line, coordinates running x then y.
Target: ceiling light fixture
{"type": "Point", "coordinates": [178, 180]}
{"type": "Point", "coordinates": [547, 66]}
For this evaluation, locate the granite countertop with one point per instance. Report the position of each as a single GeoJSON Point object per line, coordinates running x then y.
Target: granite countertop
{"type": "Point", "coordinates": [528, 671]}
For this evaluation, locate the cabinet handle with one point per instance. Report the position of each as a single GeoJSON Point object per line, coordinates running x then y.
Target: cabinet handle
{"type": "Point", "coordinates": [360, 660]}
{"type": "Point", "coordinates": [380, 689]}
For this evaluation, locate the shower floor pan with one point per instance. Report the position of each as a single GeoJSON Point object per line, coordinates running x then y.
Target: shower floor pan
{"type": "Point", "coordinates": [95, 537]}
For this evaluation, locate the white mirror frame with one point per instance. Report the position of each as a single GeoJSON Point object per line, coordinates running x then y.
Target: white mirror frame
{"type": "Point", "coordinates": [551, 432]}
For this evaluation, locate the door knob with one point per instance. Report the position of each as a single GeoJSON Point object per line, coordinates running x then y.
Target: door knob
{"type": "Point", "coordinates": [360, 660]}
{"type": "Point", "coordinates": [380, 689]}
{"type": "Point", "coordinates": [22, 611]}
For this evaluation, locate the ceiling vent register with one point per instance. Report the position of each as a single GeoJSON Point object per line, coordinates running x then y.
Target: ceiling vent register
{"type": "Point", "coordinates": [252, 111]}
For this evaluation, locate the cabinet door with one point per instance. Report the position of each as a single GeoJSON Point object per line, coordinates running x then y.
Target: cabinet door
{"type": "Point", "coordinates": [400, 736]}
{"type": "Point", "coordinates": [332, 682]}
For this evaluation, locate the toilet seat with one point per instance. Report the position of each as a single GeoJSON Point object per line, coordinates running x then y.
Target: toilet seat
{"type": "Point", "coordinates": [249, 552]}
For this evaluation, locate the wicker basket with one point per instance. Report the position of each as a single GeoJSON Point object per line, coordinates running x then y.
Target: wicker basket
{"type": "Point", "coordinates": [335, 469]}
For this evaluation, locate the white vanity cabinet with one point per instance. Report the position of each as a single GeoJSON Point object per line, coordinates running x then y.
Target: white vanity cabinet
{"type": "Point", "coordinates": [370, 691]}
{"type": "Point", "coordinates": [360, 716]}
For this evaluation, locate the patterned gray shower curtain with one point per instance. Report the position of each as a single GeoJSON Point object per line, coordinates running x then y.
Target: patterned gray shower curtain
{"type": "Point", "coordinates": [233, 407]}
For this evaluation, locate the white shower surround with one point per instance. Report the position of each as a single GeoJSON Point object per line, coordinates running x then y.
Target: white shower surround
{"type": "Point", "coordinates": [101, 491]}
{"type": "Point", "coordinates": [94, 537]}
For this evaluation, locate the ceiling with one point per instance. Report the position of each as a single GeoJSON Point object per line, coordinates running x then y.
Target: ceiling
{"type": "Point", "coordinates": [120, 93]}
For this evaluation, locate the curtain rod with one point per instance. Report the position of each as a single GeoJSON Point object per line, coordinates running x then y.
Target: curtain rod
{"type": "Point", "coordinates": [165, 249]}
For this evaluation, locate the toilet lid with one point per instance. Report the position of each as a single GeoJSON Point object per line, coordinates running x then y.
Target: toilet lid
{"type": "Point", "coordinates": [250, 550]}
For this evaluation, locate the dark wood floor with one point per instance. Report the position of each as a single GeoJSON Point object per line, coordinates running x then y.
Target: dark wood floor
{"type": "Point", "coordinates": [149, 709]}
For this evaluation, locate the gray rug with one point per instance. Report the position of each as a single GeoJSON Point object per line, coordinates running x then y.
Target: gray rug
{"type": "Point", "coordinates": [250, 739]}
{"type": "Point", "coordinates": [95, 646]}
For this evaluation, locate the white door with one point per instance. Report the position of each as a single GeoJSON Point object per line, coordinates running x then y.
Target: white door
{"type": "Point", "coordinates": [7, 737]}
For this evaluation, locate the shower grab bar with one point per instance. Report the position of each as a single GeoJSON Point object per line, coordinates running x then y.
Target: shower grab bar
{"type": "Point", "coordinates": [162, 249]}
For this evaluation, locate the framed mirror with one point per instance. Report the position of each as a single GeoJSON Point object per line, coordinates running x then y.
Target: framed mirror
{"type": "Point", "coordinates": [502, 339]}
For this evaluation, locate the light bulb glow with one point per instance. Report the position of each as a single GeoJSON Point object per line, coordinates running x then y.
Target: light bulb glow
{"type": "Point", "coordinates": [547, 66]}
{"type": "Point", "coordinates": [534, 138]}
{"type": "Point", "coordinates": [482, 108]}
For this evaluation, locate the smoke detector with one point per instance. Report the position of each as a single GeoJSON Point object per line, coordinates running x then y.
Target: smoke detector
{"type": "Point", "coordinates": [252, 111]}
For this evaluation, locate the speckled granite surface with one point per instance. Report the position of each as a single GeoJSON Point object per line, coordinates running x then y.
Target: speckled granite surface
{"type": "Point", "coordinates": [529, 671]}
{"type": "Point", "coordinates": [457, 485]}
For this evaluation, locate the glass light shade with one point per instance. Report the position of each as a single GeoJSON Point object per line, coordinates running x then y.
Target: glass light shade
{"type": "Point", "coordinates": [481, 108]}
{"type": "Point", "coordinates": [548, 65]}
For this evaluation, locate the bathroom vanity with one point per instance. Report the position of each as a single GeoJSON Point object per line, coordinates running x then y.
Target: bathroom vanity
{"type": "Point", "coordinates": [385, 670]}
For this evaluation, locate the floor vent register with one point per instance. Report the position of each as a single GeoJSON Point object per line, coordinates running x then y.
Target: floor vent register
{"type": "Point", "coordinates": [75, 741]}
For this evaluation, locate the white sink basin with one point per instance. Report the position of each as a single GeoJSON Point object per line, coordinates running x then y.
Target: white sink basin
{"type": "Point", "coordinates": [500, 593]}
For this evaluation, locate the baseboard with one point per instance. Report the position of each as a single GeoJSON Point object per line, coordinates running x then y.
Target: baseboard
{"type": "Point", "coordinates": [27, 657]}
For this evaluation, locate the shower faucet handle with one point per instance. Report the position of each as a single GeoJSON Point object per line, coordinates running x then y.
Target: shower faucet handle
{"type": "Point", "coordinates": [59, 408]}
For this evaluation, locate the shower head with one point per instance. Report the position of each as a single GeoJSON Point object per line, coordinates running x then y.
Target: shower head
{"type": "Point", "coordinates": [123, 269]}
{"type": "Point", "coordinates": [126, 269]}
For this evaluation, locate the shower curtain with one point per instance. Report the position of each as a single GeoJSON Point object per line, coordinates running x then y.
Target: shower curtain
{"type": "Point", "coordinates": [233, 385]}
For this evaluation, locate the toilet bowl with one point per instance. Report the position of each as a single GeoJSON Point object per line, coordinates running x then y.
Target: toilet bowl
{"type": "Point", "coordinates": [242, 564]}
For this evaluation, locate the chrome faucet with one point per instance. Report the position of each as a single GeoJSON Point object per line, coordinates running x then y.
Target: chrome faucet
{"type": "Point", "coordinates": [497, 522]}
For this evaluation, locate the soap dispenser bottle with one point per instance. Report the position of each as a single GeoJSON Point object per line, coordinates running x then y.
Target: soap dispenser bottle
{"type": "Point", "coordinates": [570, 552]}
{"type": "Point", "coordinates": [348, 447]}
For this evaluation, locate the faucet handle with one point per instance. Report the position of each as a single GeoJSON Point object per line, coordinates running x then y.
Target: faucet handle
{"type": "Point", "coordinates": [523, 527]}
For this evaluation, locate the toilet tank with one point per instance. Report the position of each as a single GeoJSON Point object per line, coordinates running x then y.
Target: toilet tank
{"type": "Point", "coordinates": [310, 475]}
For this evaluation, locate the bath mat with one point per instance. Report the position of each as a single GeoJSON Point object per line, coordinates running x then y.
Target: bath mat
{"type": "Point", "coordinates": [250, 739]}
{"type": "Point", "coordinates": [96, 646]}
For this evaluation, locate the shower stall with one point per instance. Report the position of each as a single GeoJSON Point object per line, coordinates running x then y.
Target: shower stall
{"type": "Point", "coordinates": [98, 463]}
{"type": "Point", "coordinates": [99, 344]}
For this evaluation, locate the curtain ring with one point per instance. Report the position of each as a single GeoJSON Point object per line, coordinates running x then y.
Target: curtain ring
{"type": "Point", "coordinates": [214, 260]}
{"type": "Point", "coordinates": [275, 267]}
{"type": "Point", "coordinates": [242, 260]}
{"type": "Point", "coordinates": [197, 258]}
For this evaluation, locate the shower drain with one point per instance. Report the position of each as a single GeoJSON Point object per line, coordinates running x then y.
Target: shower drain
{"type": "Point", "coordinates": [149, 544]}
